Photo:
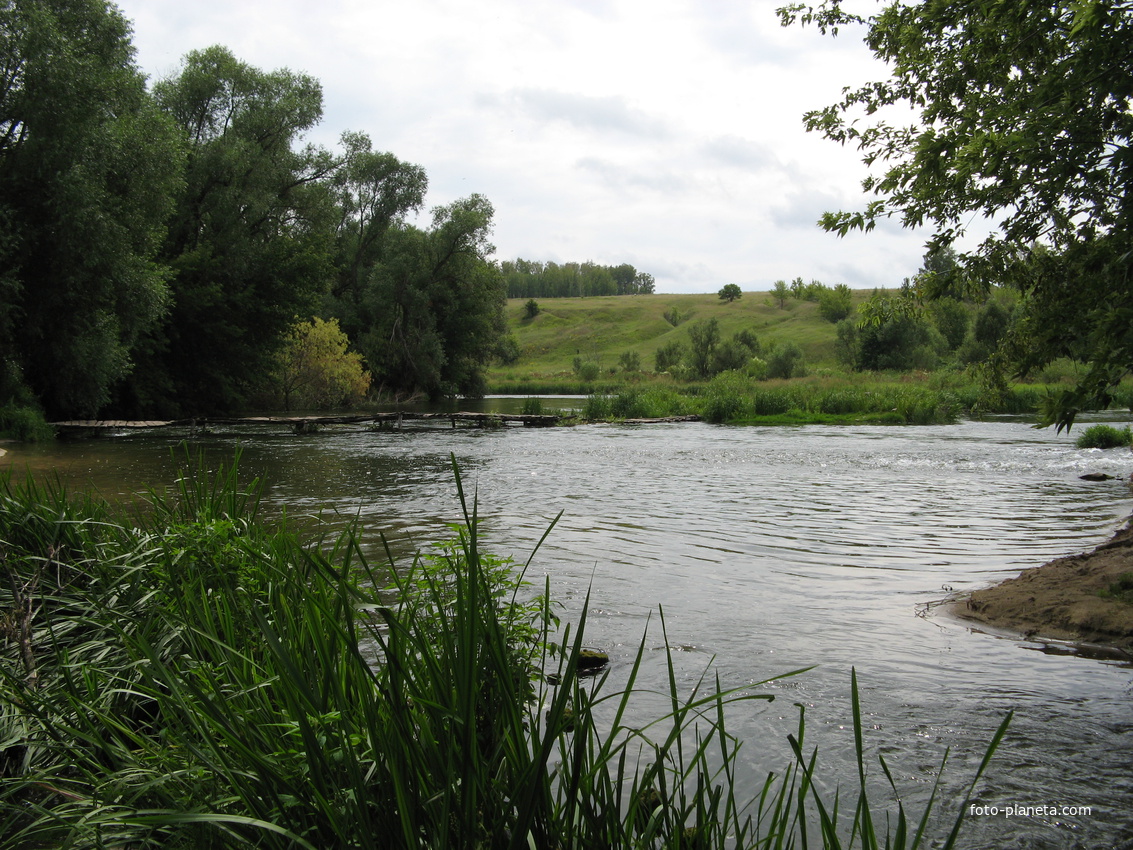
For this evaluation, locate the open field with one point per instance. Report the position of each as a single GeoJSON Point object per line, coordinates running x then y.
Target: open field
{"type": "Point", "coordinates": [603, 328]}
{"type": "Point", "coordinates": [600, 330]}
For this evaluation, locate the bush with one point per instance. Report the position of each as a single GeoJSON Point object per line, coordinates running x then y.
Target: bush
{"type": "Point", "coordinates": [756, 369]}
{"type": "Point", "coordinates": [531, 309]}
{"type": "Point", "coordinates": [508, 350]}
{"type": "Point", "coordinates": [586, 370]}
{"type": "Point", "coordinates": [704, 337]}
{"type": "Point", "coordinates": [729, 356]}
{"type": "Point", "coordinates": [951, 318]}
{"type": "Point", "coordinates": [317, 370]}
{"type": "Point", "coordinates": [1104, 437]}
{"type": "Point", "coordinates": [725, 398]}
{"type": "Point", "coordinates": [835, 304]}
{"type": "Point", "coordinates": [597, 407]}
{"type": "Point", "coordinates": [635, 403]}
{"type": "Point", "coordinates": [786, 361]}
{"type": "Point", "coordinates": [630, 361]}
{"type": "Point", "coordinates": [668, 356]}
{"type": "Point", "coordinates": [24, 423]}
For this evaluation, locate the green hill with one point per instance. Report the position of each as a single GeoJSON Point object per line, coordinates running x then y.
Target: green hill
{"type": "Point", "coordinates": [603, 328]}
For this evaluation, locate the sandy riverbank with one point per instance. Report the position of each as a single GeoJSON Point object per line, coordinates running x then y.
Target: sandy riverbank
{"type": "Point", "coordinates": [1061, 600]}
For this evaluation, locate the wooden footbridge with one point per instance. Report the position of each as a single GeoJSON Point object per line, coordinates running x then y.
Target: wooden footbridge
{"type": "Point", "coordinates": [312, 424]}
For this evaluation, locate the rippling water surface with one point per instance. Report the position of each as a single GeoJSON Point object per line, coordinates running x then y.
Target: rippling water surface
{"type": "Point", "coordinates": [771, 549]}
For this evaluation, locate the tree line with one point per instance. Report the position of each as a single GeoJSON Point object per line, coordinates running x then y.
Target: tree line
{"type": "Point", "coordinates": [531, 279]}
{"type": "Point", "coordinates": [159, 244]}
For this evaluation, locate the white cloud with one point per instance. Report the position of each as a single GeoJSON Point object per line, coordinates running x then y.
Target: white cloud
{"type": "Point", "coordinates": [606, 114]}
{"type": "Point", "coordinates": [666, 134]}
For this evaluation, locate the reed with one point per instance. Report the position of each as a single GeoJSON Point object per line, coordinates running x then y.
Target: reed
{"type": "Point", "coordinates": [826, 397]}
{"type": "Point", "coordinates": [195, 678]}
{"type": "Point", "coordinates": [24, 423]}
{"type": "Point", "coordinates": [1102, 436]}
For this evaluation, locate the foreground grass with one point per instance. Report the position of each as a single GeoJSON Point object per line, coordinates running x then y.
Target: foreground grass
{"type": "Point", "coordinates": [193, 678]}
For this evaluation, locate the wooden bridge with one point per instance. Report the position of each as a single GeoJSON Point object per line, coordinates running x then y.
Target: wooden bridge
{"type": "Point", "coordinates": [311, 424]}
{"type": "Point", "coordinates": [307, 424]}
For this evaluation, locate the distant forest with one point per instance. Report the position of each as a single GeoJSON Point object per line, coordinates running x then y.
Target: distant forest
{"type": "Point", "coordinates": [528, 279]}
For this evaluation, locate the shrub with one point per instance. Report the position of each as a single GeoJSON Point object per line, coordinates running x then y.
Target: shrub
{"type": "Point", "coordinates": [25, 423]}
{"type": "Point", "coordinates": [951, 318]}
{"type": "Point", "coordinates": [749, 340]}
{"type": "Point", "coordinates": [835, 304]}
{"type": "Point", "coordinates": [704, 336]}
{"type": "Point", "coordinates": [597, 407]}
{"type": "Point", "coordinates": [630, 361]}
{"type": "Point", "coordinates": [668, 356]}
{"type": "Point", "coordinates": [730, 356]}
{"type": "Point", "coordinates": [531, 309]}
{"type": "Point", "coordinates": [586, 370]}
{"type": "Point", "coordinates": [756, 369]}
{"type": "Point", "coordinates": [786, 361]}
{"type": "Point", "coordinates": [508, 350]}
{"type": "Point", "coordinates": [317, 370]}
{"type": "Point", "coordinates": [1104, 437]}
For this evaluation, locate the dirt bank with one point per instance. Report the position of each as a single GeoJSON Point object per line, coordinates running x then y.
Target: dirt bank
{"type": "Point", "coordinates": [1060, 600]}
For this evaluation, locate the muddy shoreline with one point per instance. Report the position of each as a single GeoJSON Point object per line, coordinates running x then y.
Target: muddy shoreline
{"type": "Point", "coordinates": [1061, 600]}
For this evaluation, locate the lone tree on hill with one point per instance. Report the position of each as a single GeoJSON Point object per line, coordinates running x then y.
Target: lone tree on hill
{"type": "Point", "coordinates": [1022, 114]}
{"type": "Point", "coordinates": [731, 292]}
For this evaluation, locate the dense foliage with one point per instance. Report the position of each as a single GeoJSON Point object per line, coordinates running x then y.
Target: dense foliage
{"type": "Point", "coordinates": [730, 292]}
{"type": "Point", "coordinates": [315, 370]}
{"type": "Point", "coordinates": [158, 245]}
{"type": "Point", "coordinates": [1022, 116]}
{"type": "Point", "coordinates": [89, 168]}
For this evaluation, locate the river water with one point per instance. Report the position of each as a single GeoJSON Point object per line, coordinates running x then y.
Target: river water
{"type": "Point", "coordinates": [769, 549]}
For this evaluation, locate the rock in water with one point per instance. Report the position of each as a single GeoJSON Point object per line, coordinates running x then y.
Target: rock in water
{"type": "Point", "coordinates": [591, 660]}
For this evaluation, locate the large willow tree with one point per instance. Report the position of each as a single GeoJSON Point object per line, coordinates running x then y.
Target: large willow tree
{"type": "Point", "coordinates": [88, 169]}
{"type": "Point", "coordinates": [250, 237]}
{"type": "Point", "coordinates": [1020, 116]}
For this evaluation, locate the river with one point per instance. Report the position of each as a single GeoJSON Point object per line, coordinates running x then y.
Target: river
{"type": "Point", "coordinates": [768, 549]}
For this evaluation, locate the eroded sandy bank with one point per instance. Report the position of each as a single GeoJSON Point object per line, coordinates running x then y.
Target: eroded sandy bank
{"type": "Point", "coordinates": [1061, 600]}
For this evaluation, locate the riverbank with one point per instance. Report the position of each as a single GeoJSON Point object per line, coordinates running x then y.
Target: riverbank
{"type": "Point", "coordinates": [1062, 599]}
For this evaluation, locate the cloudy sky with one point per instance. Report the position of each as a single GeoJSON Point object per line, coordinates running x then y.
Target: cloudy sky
{"type": "Point", "coordinates": [663, 133]}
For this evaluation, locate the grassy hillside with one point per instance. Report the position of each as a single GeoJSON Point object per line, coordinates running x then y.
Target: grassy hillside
{"type": "Point", "coordinates": [603, 328]}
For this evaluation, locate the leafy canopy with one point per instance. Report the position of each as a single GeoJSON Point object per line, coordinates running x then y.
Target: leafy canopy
{"type": "Point", "coordinates": [317, 370]}
{"type": "Point", "coordinates": [731, 292]}
{"type": "Point", "coordinates": [87, 169]}
{"type": "Point", "coordinates": [249, 238]}
{"type": "Point", "coordinates": [1020, 113]}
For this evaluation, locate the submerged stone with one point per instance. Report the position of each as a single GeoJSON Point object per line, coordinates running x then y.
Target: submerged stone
{"type": "Point", "coordinates": [592, 660]}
